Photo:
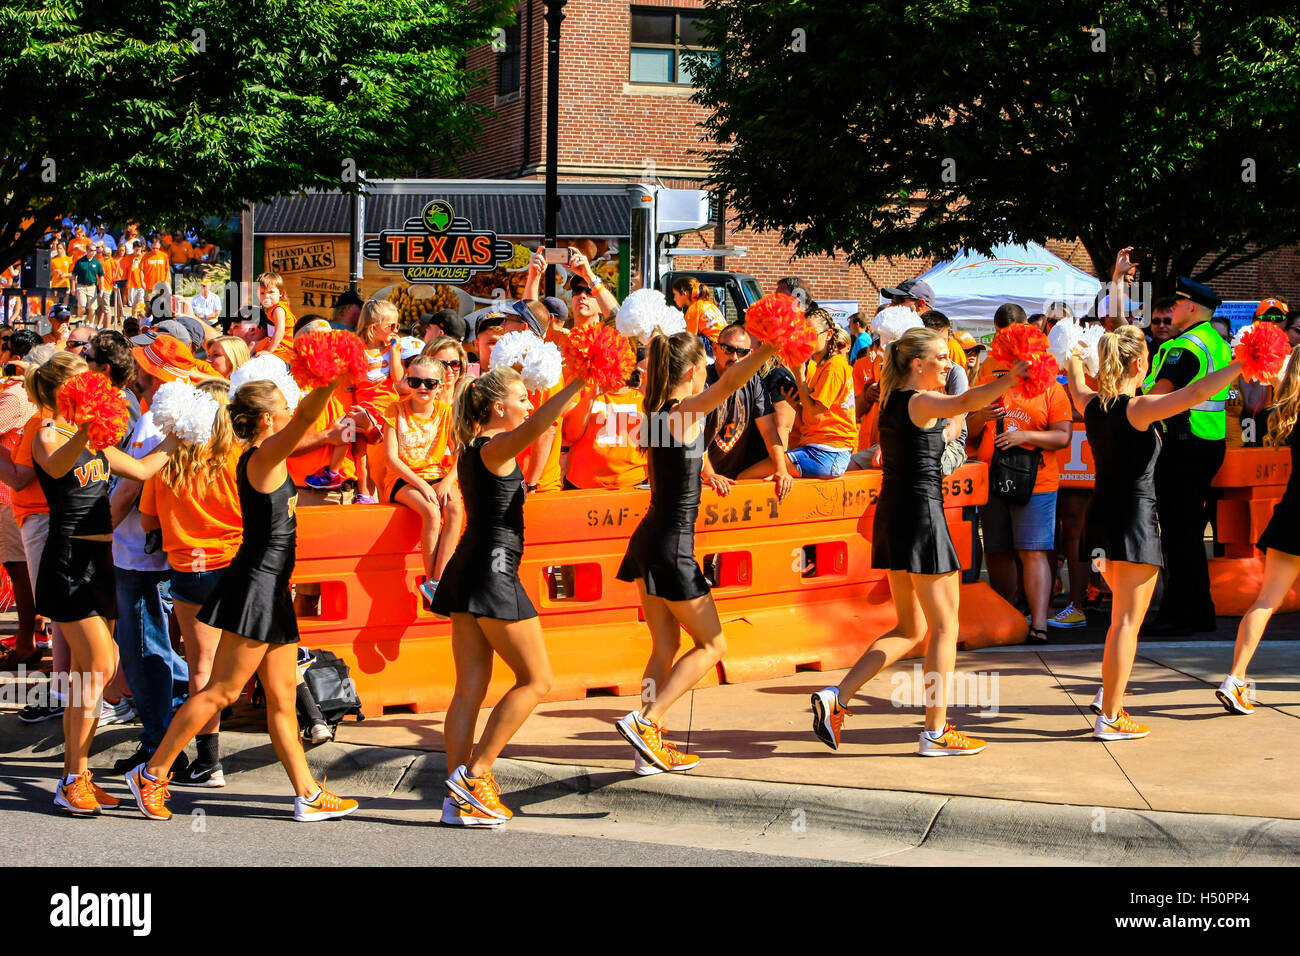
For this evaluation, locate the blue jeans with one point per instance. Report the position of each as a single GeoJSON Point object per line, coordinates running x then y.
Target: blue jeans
{"type": "Point", "coordinates": [151, 666]}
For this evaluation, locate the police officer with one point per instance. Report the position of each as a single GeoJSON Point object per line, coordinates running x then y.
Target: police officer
{"type": "Point", "coordinates": [1194, 445]}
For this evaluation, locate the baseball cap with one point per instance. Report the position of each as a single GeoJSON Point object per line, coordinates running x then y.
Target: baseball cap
{"type": "Point", "coordinates": [194, 327]}
{"type": "Point", "coordinates": [348, 298]}
{"type": "Point", "coordinates": [912, 289]}
{"type": "Point", "coordinates": [965, 340]}
{"type": "Point", "coordinates": [1271, 305]}
{"type": "Point", "coordinates": [521, 310]}
{"type": "Point", "coordinates": [557, 307]}
{"type": "Point", "coordinates": [487, 321]}
{"type": "Point", "coordinates": [167, 327]}
{"type": "Point", "coordinates": [410, 346]}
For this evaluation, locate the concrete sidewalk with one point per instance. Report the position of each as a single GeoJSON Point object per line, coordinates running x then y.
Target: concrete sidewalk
{"type": "Point", "coordinates": [1204, 787]}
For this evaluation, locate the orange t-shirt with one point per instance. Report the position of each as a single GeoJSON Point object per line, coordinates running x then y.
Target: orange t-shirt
{"type": "Point", "coordinates": [831, 385]}
{"type": "Point", "coordinates": [1033, 414]}
{"type": "Point", "coordinates": [76, 246]}
{"type": "Point", "coordinates": [180, 253]}
{"type": "Point", "coordinates": [60, 272]}
{"type": "Point", "coordinates": [421, 442]}
{"type": "Point", "coordinates": [155, 268]}
{"type": "Point", "coordinates": [109, 265]}
{"type": "Point", "coordinates": [607, 452]}
{"type": "Point", "coordinates": [705, 318]}
{"type": "Point", "coordinates": [134, 268]}
{"type": "Point", "coordinates": [866, 371]}
{"type": "Point", "coordinates": [956, 353]}
{"type": "Point", "coordinates": [300, 466]}
{"type": "Point", "coordinates": [201, 530]}
{"type": "Point", "coordinates": [29, 500]}
{"type": "Point", "coordinates": [552, 478]}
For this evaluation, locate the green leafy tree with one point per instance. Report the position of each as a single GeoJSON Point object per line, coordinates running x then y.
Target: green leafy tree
{"type": "Point", "coordinates": [166, 112]}
{"type": "Point", "coordinates": [891, 128]}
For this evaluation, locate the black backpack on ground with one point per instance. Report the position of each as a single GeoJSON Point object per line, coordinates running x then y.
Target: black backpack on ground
{"type": "Point", "coordinates": [329, 681]}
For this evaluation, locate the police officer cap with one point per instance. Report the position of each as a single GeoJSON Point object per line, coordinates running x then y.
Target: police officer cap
{"type": "Point", "coordinates": [1198, 293]}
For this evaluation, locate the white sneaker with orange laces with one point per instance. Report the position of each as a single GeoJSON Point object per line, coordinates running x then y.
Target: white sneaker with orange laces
{"type": "Point", "coordinates": [1237, 696]}
{"type": "Point", "coordinates": [458, 814]}
{"type": "Point", "coordinates": [1123, 727]}
{"type": "Point", "coordinates": [953, 743]}
{"type": "Point", "coordinates": [676, 760]}
{"type": "Point", "coordinates": [323, 806]}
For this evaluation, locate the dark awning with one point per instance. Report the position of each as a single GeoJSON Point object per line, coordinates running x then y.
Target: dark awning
{"type": "Point", "coordinates": [602, 215]}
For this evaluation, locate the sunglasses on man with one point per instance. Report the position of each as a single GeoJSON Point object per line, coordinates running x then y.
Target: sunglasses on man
{"type": "Point", "coordinates": [1167, 320]}
{"type": "Point", "coordinates": [733, 351]}
{"type": "Point", "coordinates": [432, 384]}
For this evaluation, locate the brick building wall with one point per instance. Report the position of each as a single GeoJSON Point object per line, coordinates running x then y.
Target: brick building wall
{"type": "Point", "coordinates": [611, 129]}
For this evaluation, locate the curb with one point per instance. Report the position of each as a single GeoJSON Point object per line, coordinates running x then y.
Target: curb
{"type": "Point", "coordinates": [896, 820]}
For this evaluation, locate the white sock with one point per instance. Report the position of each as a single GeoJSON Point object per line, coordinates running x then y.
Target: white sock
{"type": "Point", "coordinates": [1238, 681]}
{"type": "Point", "coordinates": [67, 781]}
{"type": "Point", "coordinates": [934, 734]}
{"type": "Point", "coordinates": [317, 796]}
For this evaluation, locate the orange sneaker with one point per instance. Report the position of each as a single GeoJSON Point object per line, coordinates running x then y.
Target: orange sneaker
{"type": "Point", "coordinates": [102, 796]}
{"type": "Point", "coordinates": [677, 761]}
{"type": "Point", "coordinates": [481, 792]}
{"type": "Point", "coordinates": [150, 795]}
{"type": "Point", "coordinates": [1123, 727]}
{"type": "Point", "coordinates": [828, 716]}
{"type": "Point", "coordinates": [324, 806]}
{"type": "Point", "coordinates": [77, 797]}
{"type": "Point", "coordinates": [953, 743]}
{"type": "Point", "coordinates": [458, 814]}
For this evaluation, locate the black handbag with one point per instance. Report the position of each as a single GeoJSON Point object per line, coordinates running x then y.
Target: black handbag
{"type": "Point", "coordinates": [1013, 471]}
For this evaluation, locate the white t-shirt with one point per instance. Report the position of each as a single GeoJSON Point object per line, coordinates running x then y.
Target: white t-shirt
{"type": "Point", "coordinates": [128, 537]}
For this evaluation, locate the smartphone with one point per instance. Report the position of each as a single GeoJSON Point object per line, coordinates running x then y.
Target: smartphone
{"type": "Point", "coordinates": [10, 370]}
{"type": "Point", "coordinates": [472, 369]}
{"type": "Point", "coordinates": [557, 257]}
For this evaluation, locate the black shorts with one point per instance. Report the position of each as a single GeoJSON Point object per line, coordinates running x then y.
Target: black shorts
{"type": "Point", "coordinates": [665, 558]}
{"type": "Point", "coordinates": [76, 580]}
{"type": "Point", "coordinates": [482, 579]}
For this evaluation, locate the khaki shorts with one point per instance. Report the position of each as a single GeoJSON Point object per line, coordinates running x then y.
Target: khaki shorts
{"type": "Point", "coordinates": [87, 296]}
{"type": "Point", "coordinates": [11, 539]}
{"type": "Point", "coordinates": [34, 529]}
{"type": "Point", "coordinates": [311, 496]}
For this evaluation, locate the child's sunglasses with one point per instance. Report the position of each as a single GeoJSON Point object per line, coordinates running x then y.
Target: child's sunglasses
{"type": "Point", "coordinates": [430, 383]}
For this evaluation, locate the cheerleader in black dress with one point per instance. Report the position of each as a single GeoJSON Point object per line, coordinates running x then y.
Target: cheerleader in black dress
{"type": "Point", "coordinates": [75, 584]}
{"type": "Point", "coordinates": [1120, 534]}
{"type": "Point", "coordinates": [660, 556]}
{"type": "Point", "coordinates": [253, 603]}
{"type": "Point", "coordinates": [1280, 543]}
{"type": "Point", "coordinates": [481, 592]}
{"type": "Point", "coordinates": [910, 538]}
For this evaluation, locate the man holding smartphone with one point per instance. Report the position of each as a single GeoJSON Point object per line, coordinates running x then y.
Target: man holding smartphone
{"type": "Point", "coordinates": [590, 299]}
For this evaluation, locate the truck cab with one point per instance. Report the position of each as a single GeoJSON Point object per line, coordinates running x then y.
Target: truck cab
{"type": "Point", "coordinates": [735, 292]}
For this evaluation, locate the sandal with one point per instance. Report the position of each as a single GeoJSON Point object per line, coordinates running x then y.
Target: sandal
{"type": "Point", "coordinates": [1037, 635]}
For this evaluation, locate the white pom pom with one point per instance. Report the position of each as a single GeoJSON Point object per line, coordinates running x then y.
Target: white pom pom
{"type": "Point", "coordinates": [267, 368]}
{"type": "Point", "coordinates": [671, 320]}
{"type": "Point", "coordinates": [182, 410]}
{"type": "Point", "coordinates": [640, 312]}
{"type": "Point", "coordinates": [543, 367]}
{"type": "Point", "coordinates": [891, 323]}
{"type": "Point", "coordinates": [512, 348]}
{"type": "Point", "coordinates": [1091, 340]}
{"type": "Point", "coordinates": [1066, 336]}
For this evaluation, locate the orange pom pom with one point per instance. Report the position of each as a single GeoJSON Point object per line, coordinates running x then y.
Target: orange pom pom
{"type": "Point", "coordinates": [1261, 349]}
{"type": "Point", "coordinates": [779, 320]}
{"type": "Point", "coordinates": [321, 358]}
{"type": "Point", "coordinates": [599, 354]}
{"type": "Point", "coordinates": [1022, 342]}
{"type": "Point", "coordinates": [90, 398]}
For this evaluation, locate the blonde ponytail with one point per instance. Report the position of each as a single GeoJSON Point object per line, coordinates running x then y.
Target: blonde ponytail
{"type": "Point", "coordinates": [899, 356]}
{"type": "Point", "coordinates": [1117, 352]}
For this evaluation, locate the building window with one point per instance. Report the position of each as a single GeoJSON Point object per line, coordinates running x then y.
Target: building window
{"type": "Point", "coordinates": [666, 46]}
{"type": "Point", "coordinates": [508, 61]}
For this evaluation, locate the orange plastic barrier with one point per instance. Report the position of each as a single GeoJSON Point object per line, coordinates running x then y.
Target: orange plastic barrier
{"type": "Point", "coordinates": [796, 590]}
{"type": "Point", "coordinates": [1249, 484]}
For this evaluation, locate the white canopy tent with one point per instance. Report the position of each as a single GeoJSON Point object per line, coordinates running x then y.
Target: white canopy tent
{"type": "Point", "coordinates": [969, 288]}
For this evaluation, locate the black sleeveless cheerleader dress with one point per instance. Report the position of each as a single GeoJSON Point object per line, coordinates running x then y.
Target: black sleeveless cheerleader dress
{"type": "Point", "coordinates": [482, 577]}
{"type": "Point", "coordinates": [254, 598]}
{"type": "Point", "coordinates": [75, 580]}
{"type": "Point", "coordinates": [1120, 523]}
{"type": "Point", "coordinates": [662, 549]}
{"type": "Point", "coordinates": [1283, 531]}
{"type": "Point", "coordinates": [909, 532]}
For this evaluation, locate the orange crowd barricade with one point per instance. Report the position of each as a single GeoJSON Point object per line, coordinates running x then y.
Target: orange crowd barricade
{"type": "Point", "coordinates": [1247, 488]}
{"type": "Point", "coordinates": [795, 589]}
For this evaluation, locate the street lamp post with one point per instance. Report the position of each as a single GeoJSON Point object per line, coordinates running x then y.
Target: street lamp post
{"type": "Point", "coordinates": [554, 17]}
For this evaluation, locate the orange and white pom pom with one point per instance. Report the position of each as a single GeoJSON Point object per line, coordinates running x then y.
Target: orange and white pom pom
{"type": "Point", "coordinates": [1262, 349]}
{"type": "Point", "coordinates": [599, 354]}
{"type": "Point", "coordinates": [89, 398]}
{"type": "Point", "coordinates": [779, 320]}
{"type": "Point", "coordinates": [322, 358]}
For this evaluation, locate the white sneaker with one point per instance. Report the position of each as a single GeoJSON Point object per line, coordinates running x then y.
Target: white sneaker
{"type": "Point", "coordinates": [1123, 727]}
{"type": "Point", "coordinates": [320, 733]}
{"type": "Point", "coordinates": [123, 712]}
{"type": "Point", "coordinates": [1095, 706]}
{"type": "Point", "coordinates": [1238, 698]}
{"type": "Point", "coordinates": [644, 768]}
{"type": "Point", "coordinates": [457, 814]}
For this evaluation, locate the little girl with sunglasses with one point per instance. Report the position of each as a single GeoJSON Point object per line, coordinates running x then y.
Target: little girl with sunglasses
{"type": "Point", "coordinates": [416, 434]}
